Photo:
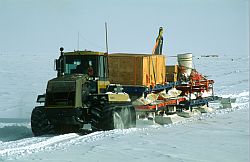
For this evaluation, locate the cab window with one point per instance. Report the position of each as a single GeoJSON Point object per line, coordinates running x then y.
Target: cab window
{"type": "Point", "coordinates": [80, 64]}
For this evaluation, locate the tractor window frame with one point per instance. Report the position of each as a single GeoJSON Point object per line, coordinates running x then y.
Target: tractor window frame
{"type": "Point", "coordinates": [80, 64]}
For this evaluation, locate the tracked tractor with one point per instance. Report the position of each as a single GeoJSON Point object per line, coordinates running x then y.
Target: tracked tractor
{"type": "Point", "coordinates": [78, 96]}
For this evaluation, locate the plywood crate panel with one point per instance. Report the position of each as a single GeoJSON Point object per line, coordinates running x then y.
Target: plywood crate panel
{"type": "Point", "coordinates": [170, 69]}
{"type": "Point", "coordinates": [136, 69]}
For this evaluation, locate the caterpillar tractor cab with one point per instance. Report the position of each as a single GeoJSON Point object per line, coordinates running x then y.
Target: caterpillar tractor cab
{"type": "Point", "coordinates": [78, 96]}
{"type": "Point", "coordinates": [93, 64]}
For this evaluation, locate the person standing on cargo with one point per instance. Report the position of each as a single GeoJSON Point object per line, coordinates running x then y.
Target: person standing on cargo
{"type": "Point", "coordinates": [159, 43]}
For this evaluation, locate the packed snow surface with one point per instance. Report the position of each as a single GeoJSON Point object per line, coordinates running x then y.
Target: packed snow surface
{"type": "Point", "coordinates": [222, 135]}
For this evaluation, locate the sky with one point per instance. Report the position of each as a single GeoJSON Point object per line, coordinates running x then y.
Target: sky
{"type": "Point", "coordinates": [200, 27]}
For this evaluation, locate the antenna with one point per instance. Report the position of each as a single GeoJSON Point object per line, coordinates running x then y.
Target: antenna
{"type": "Point", "coordinates": [78, 41]}
{"type": "Point", "coordinates": [106, 31]}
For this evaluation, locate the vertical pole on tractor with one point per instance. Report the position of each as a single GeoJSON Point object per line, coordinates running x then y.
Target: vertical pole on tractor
{"type": "Point", "coordinates": [78, 41]}
{"type": "Point", "coordinates": [106, 31]}
{"type": "Point", "coordinates": [107, 50]}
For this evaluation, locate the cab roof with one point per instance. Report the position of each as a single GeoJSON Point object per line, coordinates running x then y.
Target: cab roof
{"type": "Point", "coordinates": [85, 52]}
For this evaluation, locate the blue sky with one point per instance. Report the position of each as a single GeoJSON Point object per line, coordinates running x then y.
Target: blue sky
{"type": "Point", "coordinates": [197, 26]}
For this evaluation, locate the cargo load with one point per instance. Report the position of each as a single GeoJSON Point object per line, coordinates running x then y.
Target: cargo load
{"type": "Point", "coordinates": [172, 73]}
{"type": "Point", "coordinates": [136, 69]}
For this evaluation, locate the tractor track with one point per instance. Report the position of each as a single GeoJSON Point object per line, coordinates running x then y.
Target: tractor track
{"type": "Point", "coordinates": [34, 144]}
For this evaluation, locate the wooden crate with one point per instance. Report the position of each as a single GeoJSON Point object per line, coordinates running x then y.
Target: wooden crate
{"type": "Point", "coordinates": [172, 73]}
{"type": "Point", "coordinates": [136, 69]}
{"type": "Point", "coordinates": [172, 77]}
{"type": "Point", "coordinates": [172, 69]}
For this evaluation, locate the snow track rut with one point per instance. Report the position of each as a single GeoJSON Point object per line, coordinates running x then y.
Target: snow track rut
{"type": "Point", "coordinates": [34, 144]}
{"type": "Point", "coordinates": [14, 149]}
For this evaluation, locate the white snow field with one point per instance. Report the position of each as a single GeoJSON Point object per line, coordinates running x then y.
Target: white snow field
{"type": "Point", "coordinates": [221, 136]}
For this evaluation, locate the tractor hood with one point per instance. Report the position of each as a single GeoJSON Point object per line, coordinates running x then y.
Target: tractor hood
{"type": "Point", "coordinates": [65, 91]}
